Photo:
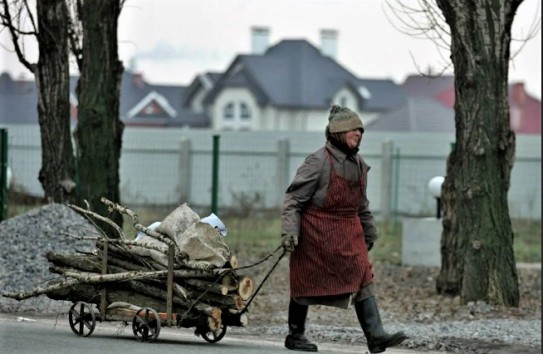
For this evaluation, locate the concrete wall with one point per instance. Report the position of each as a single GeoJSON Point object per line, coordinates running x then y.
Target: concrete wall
{"type": "Point", "coordinates": [421, 242]}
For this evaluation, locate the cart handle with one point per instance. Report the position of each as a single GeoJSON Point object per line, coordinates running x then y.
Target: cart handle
{"type": "Point", "coordinates": [265, 278]}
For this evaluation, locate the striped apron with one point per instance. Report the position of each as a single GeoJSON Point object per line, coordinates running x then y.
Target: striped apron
{"type": "Point", "coordinates": [331, 257]}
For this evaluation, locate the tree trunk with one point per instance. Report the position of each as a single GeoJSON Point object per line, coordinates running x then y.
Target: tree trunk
{"type": "Point", "coordinates": [99, 130]}
{"type": "Point", "coordinates": [478, 262]}
{"type": "Point", "coordinates": [53, 85]}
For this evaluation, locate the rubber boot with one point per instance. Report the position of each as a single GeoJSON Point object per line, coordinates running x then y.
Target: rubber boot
{"type": "Point", "coordinates": [370, 320]}
{"type": "Point", "coordinates": [296, 339]}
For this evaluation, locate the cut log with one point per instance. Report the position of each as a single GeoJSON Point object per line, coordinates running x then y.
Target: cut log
{"type": "Point", "coordinates": [230, 281]}
{"type": "Point", "coordinates": [202, 285]}
{"type": "Point", "coordinates": [234, 318]}
{"type": "Point", "coordinates": [226, 301]}
{"type": "Point", "coordinates": [87, 263]}
{"type": "Point", "coordinates": [245, 288]}
{"type": "Point", "coordinates": [233, 262]}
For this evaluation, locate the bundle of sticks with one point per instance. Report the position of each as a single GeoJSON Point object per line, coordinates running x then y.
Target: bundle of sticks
{"type": "Point", "coordinates": [205, 291]}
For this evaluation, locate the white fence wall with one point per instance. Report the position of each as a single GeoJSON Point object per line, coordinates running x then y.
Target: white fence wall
{"type": "Point", "coordinates": [167, 167]}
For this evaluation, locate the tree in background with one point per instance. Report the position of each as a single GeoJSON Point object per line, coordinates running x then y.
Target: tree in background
{"type": "Point", "coordinates": [99, 128]}
{"type": "Point", "coordinates": [87, 29]}
{"type": "Point", "coordinates": [49, 27]}
{"type": "Point", "coordinates": [478, 261]}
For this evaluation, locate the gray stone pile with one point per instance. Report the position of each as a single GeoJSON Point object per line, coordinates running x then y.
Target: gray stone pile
{"type": "Point", "coordinates": [25, 240]}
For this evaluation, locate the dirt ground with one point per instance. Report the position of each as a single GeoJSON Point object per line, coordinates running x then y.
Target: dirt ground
{"type": "Point", "coordinates": [405, 295]}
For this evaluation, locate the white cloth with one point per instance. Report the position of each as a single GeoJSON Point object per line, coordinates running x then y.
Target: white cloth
{"type": "Point", "coordinates": [214, 221]}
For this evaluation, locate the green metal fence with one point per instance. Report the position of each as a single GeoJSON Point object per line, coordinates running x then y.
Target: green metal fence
{"type": "Point", "coordinates": [3, 174]}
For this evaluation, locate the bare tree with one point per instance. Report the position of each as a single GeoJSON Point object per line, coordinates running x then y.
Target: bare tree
{"type": "Point", "coordinates": [99, 128]}
{"type": "Point", "coordinates": [478, 261]}
{"type": "Point", "coordinates": [57, 173]}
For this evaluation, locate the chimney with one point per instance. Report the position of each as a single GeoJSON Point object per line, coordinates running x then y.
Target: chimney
{"type": "Point", "coordinates": [138, 80]}
{"type": "Point", "coordinates": [329, 43]}
{"type": "Point", "coordinates": [259, 39]}
{"type": "Point", "coordinates": [519, 93]}
{"type": "Point", "coordinates": [132, 64]}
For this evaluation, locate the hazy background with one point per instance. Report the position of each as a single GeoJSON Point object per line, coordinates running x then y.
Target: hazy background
{"type": "Point", "coordinates": [173, 41]}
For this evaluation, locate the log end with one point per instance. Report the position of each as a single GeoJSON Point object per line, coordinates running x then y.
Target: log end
{"type": "Point", "coordinates": [246, 287]}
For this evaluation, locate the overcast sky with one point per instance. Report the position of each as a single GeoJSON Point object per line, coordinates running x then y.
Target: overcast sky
{"type": "Point", "coordinates": [173, 41]}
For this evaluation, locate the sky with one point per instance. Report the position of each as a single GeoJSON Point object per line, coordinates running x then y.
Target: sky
{"type": "Point", "coordinates": [171, 42]}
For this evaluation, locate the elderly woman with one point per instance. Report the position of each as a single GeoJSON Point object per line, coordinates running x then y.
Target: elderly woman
{"type": "Point", "coordinates": [327, 226]}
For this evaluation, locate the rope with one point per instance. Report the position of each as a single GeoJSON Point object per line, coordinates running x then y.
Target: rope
{"type": "Point", "coordinates": [262, 260]}
{"type": "Point", "coordinates": [265, 278]}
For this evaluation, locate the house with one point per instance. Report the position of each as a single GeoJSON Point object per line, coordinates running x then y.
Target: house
{"type": "Point", "coordinates": [18, 101]}
{"type": "Point", "coordinates": [430, 107]}
{"type": "Point", "coordinates": [419, 114]}
{"type": "Point", "coordinates": [141, 103]}
{"type": "Point", "coordinates": [288, 86]}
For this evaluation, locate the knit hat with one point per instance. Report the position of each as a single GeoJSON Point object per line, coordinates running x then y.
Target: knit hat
{"type": "Point", "coordinates": [342, 119]}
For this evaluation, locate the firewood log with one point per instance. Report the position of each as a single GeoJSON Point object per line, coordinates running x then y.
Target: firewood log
{"type": "Point", "coordinates": [222, 301]}
{"type": "Point", "coordinates": [234, 318]}
{"type": "Point", "coordinates": [232, 263]}
{"type": "Point", "coordinates": [245, 287]}
{"type": "Point", "coordinates": [230, 281]}
{"type": "Point", "coordinates": [203, 285]}
{"type": "Point", "coordinates": [88, 263]}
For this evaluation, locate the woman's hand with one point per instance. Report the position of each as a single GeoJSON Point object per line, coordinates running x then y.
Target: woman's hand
{"type": "Point", "coordinates": [289, 242]}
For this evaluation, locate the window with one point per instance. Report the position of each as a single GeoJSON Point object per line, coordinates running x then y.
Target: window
{"type": "Point", "coordinates": [245, 111]}
{"type": "Point", "coordinates": [228, 112]}
{"type": "Point", "coordinates": [237, 116]}
{"type": "Point", "coordinates": [151, 108]}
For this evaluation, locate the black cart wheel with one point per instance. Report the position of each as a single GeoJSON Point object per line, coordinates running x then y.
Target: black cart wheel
{"type": "Point", "coordinates": [214, 336]}
{"type": "Point", "coordinates": [146, 325]}
{"type": "Point", "coordinates": [82, 319]}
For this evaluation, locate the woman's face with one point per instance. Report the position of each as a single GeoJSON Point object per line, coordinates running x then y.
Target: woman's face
{"type": "Point", "coordinates": [353, 138]}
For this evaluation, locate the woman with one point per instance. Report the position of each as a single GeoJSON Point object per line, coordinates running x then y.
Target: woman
{"type": "Point", "coordinates": [327, 225]}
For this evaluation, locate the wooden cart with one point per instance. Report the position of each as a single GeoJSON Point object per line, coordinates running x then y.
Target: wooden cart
{"type": "Point", "coordinates": [147, 322]}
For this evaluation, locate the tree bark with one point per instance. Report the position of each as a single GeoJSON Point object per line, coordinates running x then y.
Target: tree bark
{"type": "Point", "coordinates": [99, 129]}
{"type": "Point", "coordinates": [478, 262]}
{"type": "Point", "coordinates": [57, 173]}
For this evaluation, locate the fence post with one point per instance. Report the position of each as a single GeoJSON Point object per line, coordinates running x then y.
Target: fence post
{"type": "Point", "coordinates": [283, 150]}
{"type": "Point", "coordinates": [396, 198]}
{"type": "Point", "coordinates": [184, 170]}
{"type": "Point", "coordinates": [215, 175]}
{"type": "Point", "coordinates": [386, 180]}
{"type": "Point", "coordinates": [4, 174]}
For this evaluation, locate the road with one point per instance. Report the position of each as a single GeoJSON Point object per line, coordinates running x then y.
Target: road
{"type": "Point", "coordinates": [38, 334]}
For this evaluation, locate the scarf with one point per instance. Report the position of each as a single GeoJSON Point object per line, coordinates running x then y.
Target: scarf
{"type": "Point", "coordinates": [350, 152]}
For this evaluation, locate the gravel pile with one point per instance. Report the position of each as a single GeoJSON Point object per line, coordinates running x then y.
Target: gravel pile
{"type": "Point", "coordinates": [406, 296]}
{"type": "Point", "coordinates": [25, 240]}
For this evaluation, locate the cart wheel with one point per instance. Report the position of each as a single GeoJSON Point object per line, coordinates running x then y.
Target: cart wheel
{"type": "Point", "coordinates": [214, 336]}
{"type": "Point", "coordinates": [81, 317]}
{"type": "Point", "coordinates": [146, 325]}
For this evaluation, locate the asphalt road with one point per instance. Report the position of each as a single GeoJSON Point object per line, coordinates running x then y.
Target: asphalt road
{"type": "Point", "coordinates": [32, 335]}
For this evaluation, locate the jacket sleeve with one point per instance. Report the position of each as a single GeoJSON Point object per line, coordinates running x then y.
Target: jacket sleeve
{"type": "Point", "coordinates": [364, 213]}
{"type": "Point", "coordinates": [299, 193]}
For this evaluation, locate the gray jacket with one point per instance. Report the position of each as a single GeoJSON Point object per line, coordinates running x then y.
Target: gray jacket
{"type": "Point", "coordinates": [310, 185]}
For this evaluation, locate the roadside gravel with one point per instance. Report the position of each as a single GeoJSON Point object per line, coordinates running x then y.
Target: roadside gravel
{"type": "Point", "coordinates": [406, 295]}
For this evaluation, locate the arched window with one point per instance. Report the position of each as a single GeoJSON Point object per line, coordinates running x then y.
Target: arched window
{"type": "Point", "coordinates": [228, 111]}
{"type": "Point", "coordinates": [245, 111]}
